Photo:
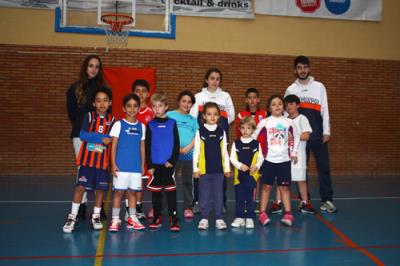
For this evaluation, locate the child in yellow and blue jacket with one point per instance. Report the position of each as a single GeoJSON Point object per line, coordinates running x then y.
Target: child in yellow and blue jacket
{"type": "Point", "coordinates": [247, 158]}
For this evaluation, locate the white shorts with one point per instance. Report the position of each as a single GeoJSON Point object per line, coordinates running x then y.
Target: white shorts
{"type": "Point", "coordinates": [127, 180]}
{"type": "Point", "coordinates": [298, 174]}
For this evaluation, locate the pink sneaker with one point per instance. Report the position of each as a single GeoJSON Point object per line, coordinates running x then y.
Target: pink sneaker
{"type": "Point", "coordinates": [134, 223]}
{"type": "Point", "coordinates": [188, 214]}
{"type": "Point", "coordinates": [287, 219]}
{"type": "Point", "coordinates": [115, 225]}
{"type": "Point", "coordinates": [150, 215]}
{"type": "Point", "coordinates": [263, 218]}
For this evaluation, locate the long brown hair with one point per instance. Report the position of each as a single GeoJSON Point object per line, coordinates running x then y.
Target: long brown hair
{"type": "Point", "coordinates": [81, 92]}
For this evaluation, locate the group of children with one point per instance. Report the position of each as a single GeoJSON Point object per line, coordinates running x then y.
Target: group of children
{"type": "Point", "coordinates": [151, 143]}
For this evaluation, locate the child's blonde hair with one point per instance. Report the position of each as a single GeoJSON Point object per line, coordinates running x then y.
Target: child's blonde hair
{"type": "Point", "coordinates": [159, 97]}
{"type": "Point", "coordinates": [248, 120]}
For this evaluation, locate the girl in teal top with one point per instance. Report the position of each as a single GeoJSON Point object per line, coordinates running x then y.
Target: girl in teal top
{"type": "Point", "coordinates": [187, 126]}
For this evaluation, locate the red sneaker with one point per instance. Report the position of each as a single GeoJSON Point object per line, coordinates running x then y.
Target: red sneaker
{"type": "Point", "coordinates": [134, 223]}
{"type": "Point", "coordinates": [263, 218]}
{"type": "Point", "coordinates": [287, 219]}
{"type": "Point", "coordinates": [157, 222]}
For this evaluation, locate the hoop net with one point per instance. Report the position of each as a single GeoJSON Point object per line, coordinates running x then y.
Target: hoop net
{"type": "Point", "coordinates": [116, 29]}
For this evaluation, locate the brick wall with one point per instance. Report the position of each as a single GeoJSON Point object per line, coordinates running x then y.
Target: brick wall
{"type": "Point", "coordinates": [34, 136]}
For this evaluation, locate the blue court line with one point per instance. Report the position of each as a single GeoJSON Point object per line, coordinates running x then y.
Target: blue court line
{"type": "Point", "coordinates": [193, 254]}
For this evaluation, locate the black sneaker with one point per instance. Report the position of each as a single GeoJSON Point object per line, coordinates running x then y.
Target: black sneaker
{"type": "Point", "coordinates": [196, 207]}
{"type": "Point", "coordinates": [173, 224]}
{"type": "Point", "coordinates": [103, 215]}
{"type": "Point", "coordinates": [139, 211]}
{"type": "Point", "coordinates": [126, 214]}
{"type": "Point", "coordinates": [276, 208]}
{"type": "Point", "coordinates": [257, 206]}
{"type": "Point", "coordinates": [157, 222]}
{"type": "Point", "coordinates": [81, 212]}
{"type": "Point", "coordinates": [307, 208]}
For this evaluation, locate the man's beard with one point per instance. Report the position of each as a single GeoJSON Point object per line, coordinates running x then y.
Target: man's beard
{"type": "Point", "coordinates": [303, 78]}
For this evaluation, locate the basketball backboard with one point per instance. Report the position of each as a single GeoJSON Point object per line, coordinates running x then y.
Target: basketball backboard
{"type": "Point", "coordinates": [150, 18]}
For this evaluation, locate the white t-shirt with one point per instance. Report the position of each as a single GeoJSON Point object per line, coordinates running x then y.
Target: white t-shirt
{"type": "Point", "coordinates": [116, 129]}
{"type": "Point", "coordinates": [282, 140]}
{"type": "Point", "coordinates": [302, 125]}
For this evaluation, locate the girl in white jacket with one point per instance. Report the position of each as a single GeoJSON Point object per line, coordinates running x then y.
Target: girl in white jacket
{"type": "Point", "coordinates": [213, 93]}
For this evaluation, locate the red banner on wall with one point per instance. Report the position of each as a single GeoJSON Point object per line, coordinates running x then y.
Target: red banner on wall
{"type": "Point", "coordinates": [120, 80]}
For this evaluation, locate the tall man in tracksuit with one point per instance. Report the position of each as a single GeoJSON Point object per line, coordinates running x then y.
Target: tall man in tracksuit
{"type": "Point", "coordinates": [314, 105]}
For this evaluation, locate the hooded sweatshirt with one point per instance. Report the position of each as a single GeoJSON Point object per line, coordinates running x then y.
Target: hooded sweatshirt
{"type": "Point", "coordinates": [314, 105]}
{"type": "Point", "coordinates": [224, 101]}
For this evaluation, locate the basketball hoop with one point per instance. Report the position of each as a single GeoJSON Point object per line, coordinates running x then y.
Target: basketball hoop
{"type": "Point", "coordinates": [116, 29]}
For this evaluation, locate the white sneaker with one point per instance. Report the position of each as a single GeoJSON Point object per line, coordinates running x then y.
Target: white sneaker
{"type": "Point", "coordinates": [249, 223]}
{"type": "Point", "coordinates": [96, 222]}
{"type": "Point", "coordinates": [328, 206]}
{"type": "Point", "coordinates": [203, 224]}
{"type": "Point", "coordinates": [220, 224]}
{"type": "Point", "coordinates": [69, 225]}
{"type": "Point", "coordinates": [238, 222]}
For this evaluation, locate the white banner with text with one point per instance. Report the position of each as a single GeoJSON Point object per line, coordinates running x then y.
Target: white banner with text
{"type": "Point", "coordinates": [332, 9]}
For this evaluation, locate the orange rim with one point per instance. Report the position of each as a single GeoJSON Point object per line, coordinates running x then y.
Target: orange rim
{"type": "Point", "coordinates": [116, 21]}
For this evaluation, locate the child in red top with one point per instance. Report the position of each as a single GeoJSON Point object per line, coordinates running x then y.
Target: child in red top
{"type": "Point", "coordinates": [252, 109]}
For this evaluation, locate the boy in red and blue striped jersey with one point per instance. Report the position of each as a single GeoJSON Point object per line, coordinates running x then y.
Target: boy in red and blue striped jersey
{"type": "Point", "coordinates": [93, 158]}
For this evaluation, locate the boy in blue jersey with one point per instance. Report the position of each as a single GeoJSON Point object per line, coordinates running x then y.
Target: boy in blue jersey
{"type": "Point", "coordinates": [127, 162]}
{"type": "Point", "coordinates": [93, 158]}
{"type": "Point", "coordinates": [162, 151]}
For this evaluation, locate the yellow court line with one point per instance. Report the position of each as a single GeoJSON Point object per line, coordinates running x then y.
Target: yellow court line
{"type": "Point", "coordinates": [103, 234]}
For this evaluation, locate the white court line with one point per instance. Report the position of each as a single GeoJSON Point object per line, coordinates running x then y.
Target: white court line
{"type": "Point", "coordinates": [363, 198]}
{"type": "Point", "coordinates": [181, 201]}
